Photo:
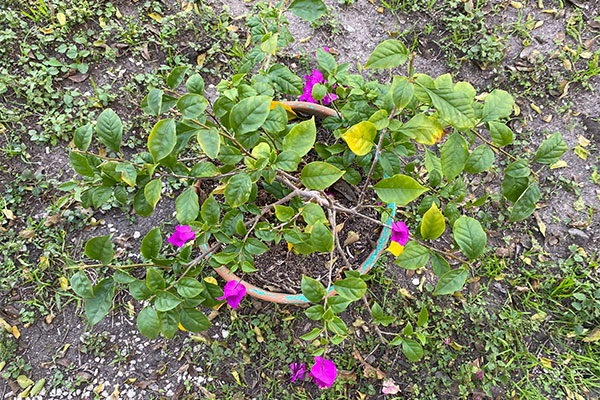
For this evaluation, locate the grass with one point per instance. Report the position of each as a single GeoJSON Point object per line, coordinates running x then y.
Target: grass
{"type": "Point", "coordinates": [522, 321]}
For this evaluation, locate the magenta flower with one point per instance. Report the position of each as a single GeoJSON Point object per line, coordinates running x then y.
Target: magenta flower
{"type": "Point", "coordinates": [479, 374]}
{"type": "Point", "coordinates": [233, 293]}
{"type": "Point", "coordinates": [323, 372]}
{"type": "Point", "coordinates": [311, 81]}
{"type": "Point", "coordinates": [399, 233]}
{"type": "Point", "coordinates": [298, 371]}
{"type": "Point", "coordinates": [182, 234]}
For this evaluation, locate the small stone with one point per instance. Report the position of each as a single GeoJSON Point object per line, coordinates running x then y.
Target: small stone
{"type": "Point", "coordinates": [579, 233]}
{"type": "Point", "coordinates": [225, 333]}
{"type": "Point", "coordinates": [136, 235]}
{"type": "Point", "coordinates": [415, 281]}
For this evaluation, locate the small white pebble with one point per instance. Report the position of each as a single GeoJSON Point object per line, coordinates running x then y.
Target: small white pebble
{"type": "Point", "coordinates": [225, 333]}
{"type": "Point", "coordinates": [136, 235]}
{"type": "Point", "coordinates": [415, 281]}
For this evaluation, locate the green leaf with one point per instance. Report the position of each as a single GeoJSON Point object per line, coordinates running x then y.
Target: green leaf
{"type": "Point", "coordinates": [313, 214]}
{"type": "Point", "coordinates": [439, 264]}
{"type": "Point", "coordinates": [81, 285]}
{"type": "Point", "coordinates": [308, 10]}
{"type": "Point", "coordinates": [337, 326]}
{"type": "Point", "coordinates": [338, 303]}
{"type": "Point", "coordinates": [325, 60]}
{"type": "Point", "coordinates": [454, 106]}
{"type": "Point", "coordinates": [501, 134]}
{"type": "Point", "coordinates": [100, 248]}
{"type": "Point", "coordinates": [189, 287]}
{"type": "Point", "coordinates": [139, 290]}
{"type": "Point", "coordinates": [195, 84]}
{"type": "Point", "coordinates": [319, 175]}
{"type": "Point", "coordinates": [388, 54]}
{"type": "Point", "coordinates": [152, 191]}
{"type": "Point", "coordinates": [423, 317]}
{"type": "Point", "coordinates": [81, 164]}
{"type": "Point", "coordinates": [204, 169]}
{"type": "Point", "coordinates": [249, 114]}
{"type": "Point", "coordinates": [154, 279]}
{"type": "Point", "coordinates": [285, 81]}
{"type": "Point", "coordinates": [166, 301]}
{"type": "Point", "coordinates": [255, 246]}
{"type": "Point", "coordinates": [379, 316]}
{"type": "Point", "coordinates": [321, 238]}
{"type": "Point", "coordinates": [454, 155]}
{"type": "Point", "coordinates": [402, 92]}
{"type": "Point", "coordinates": [470, 236]}
{"type": "Point", "coordinates": [152, 103]}
{"type": "Point", "coordinates": [148, 322]}
{"type": "Point", "coordinates": [186, 206]}
{"type": "Point", "coordinates": [83, 137]}
{"type": "Point", "coordinates": [237, 191]}
{"type": "Point", "coordinates": [98, 306]}
{"type": "Point", "coordinates": [140, 205]}
{"type": "Point", "coordinates": [424, 129]}
{"type": "Point", "coordinates": [110, 129]}
{"type": "Point", "coordinates": [351, 288]}
{"type": "Point", "coordinates": [169, 323]}
{"type": "Point", "coordinates": [413, 257]}
{"type": "Point", "coordinates": [312, 335]}
{"type": "Point", "coordinates": [315, 312]}
{"type": "Point", "coordinates": [128, 173]}
{"type": "Point", "coordinates": [176, 76]}
{"type": "Point", "coordinates": [284, 213]}
{"type": "Point", "coordinates": [400, 189]}
{"type": "Point", "coordinates": [301, 137]}
{"type": "Point", "coordinates": [525, 204]}
{"type": "Point", "coordinates": [312, 289]}
{"type": "Point", "coordinates": [192, 105]}
{"type": "Point", "coordinates": [162, 139]}
{"type": "Point", "coordinates": [452, 281]}
{"type": "Point", "coordinates": [210, 211]}
{"type": "Point", "coordinates": [498, 104]}
{"type": "Point", "coordinates": [360, 137]}
{"type": "Point", "coordinates": [121, 276]}
{"type": "Point", "coordinates": [412, 350]}
{"type": "Point", "coordinates": [481, 159]}
{"type": "Point", "coordinates": [380, 119]}
{"type": "Point", "coordinates": [288, 160]}
{"type": "Point", "coordinates": [100, 195]}
{"type": "Point", "coordinates": [551, 149]}
{"type": "Point", "coordinates": [434, 167]}
{"type": "Point", "coordinates": [193, 320]}
{"type": "Point", "coordinates": [433, 224]}
{"type": "Point", "coordinates": [516, 179]}
{"type": "Point", "coordinates": [210, 142]}
{"type": "Point", "coordinates": [151, 243]}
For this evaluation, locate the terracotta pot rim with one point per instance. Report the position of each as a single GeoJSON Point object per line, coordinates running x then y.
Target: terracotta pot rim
{"type": "Point", "coordinates": [365, 267]}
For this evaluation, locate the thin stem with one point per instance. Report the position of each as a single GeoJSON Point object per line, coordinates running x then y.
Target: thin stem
{"type": "Point", "coordinates": [85, 266]}
{"type": "Point", "coordinates": [446, 253]}
{"type": "Point", "coordinates": [377, 330]}
{"type": "Point", "coordinates": [375, 159]}
{"type": "Point", "coordinates": [500, 149]}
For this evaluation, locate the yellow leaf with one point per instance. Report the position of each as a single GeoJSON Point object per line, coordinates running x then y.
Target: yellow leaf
{"type": "Point", "coordinates": [594, 336]}
{"type": "Point", "coordinates": [200, 59]}
{"type": "Point", "coordinates": [546, 362]}
{"type": "Point", "coordinates": [433, 224]}
{"type": "Point", "coordinates": [62, 19]}
{"type": "Point", "coordinates": [395, 248]}
{"type": "Point", "coordinates": [516, 4]}
{"type": "Point", "coordinates": [156, 17]}
{"type": "Point", "coordinates": [47, 31]}
{"type": "Point", "coordinates": [212, 280]}
{"type": "Point", "coordinates": [99, 388]}
{"type": "Point", "coordinates": [8, 214]}
{"type": "Point", "coordinates": [290, 246]}
{"type": "Point", "coordinates": [236, 376]}
{"type": "Point", "coordinates": [187, 6]}
{"type": "Point", "coordinates": [101, 22]}
{"type": "Point", "coordinates": [15, 332]}
{"type": "Point", "coordinates": [581, 152]}
{"type": "Point", "coordinates": [288, 109]}
{"type": "Point", "coordinates": [5, 325]}
{"type": "Point", "coordinates": [182, 328]}
{"type": "Point", "coordinates": [455, 345]}
{"type": "Point", "coordinates": [259, 336]}
{"type": "Point", "coordinates": [118, 14]}
{"type": "Point", "coordinates": [559, 164]}
{"type": "Point", "coordinates": [583, 141]}
{"type": "Point", "coordinates": [360, 137]}
{"type": "Point", "coordinates": [64, 283]}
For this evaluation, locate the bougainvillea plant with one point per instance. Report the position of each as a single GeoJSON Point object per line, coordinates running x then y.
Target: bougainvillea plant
{"type": "Point", "coordinates": [413, 140]}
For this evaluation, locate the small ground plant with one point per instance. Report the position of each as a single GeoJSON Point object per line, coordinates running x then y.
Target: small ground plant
{"type": "Point", "coordinates": [411, 139]}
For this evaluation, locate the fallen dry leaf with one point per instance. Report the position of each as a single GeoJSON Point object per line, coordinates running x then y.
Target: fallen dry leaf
{"type": "Point", "coordinates": [368, 370]}
{"type": "Point", "coordinates": [390, 387]}
{"type": "Point", "coordinates": [78, 77]}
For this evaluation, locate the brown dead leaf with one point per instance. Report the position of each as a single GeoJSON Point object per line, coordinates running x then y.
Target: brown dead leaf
{"type": "Point", "coordinates": [348, 376]}
{"type": "Point", "coordinates": [78, 77]}
{"type": "Point", "coordinates": [27, 233]}
{"type": "Point", "coordinates": [49, 318]}
{"type": "Point", "coordinates": [353, 237]}
{"type": "Point", "coordinates": [368, 370]}
{"type": "Point", "coordinates": [52, 220]}
{"type": "Point", "coordinates": [143, 384]}
{"type": "Point", "coordinates": [594, 336]}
